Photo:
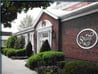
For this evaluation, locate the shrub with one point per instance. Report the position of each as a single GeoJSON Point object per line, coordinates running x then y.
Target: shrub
{"type": "Point", "coordinates": [45, 58]}
{"type": "Point", "coordinates": [45, 46]}
{"type": "Point", "coordinates": [61, 64]}
{"type": "Point", "coordinates": [52, 57]}
{"type": "Point", "coordinates": [21, 52]}
{"type": "Point", "coordinates": [34, 61]}
{"type": "Point", "coordinates": [19, 43]}
{"type": "Point", "coordinates": [11, 53]}
{"type": "Point", "coordinates": [22, 42]}
{"type": "Point", "coordinates": [29, 51]}
{"type": "Point", "coordinates": [11, 42]}
{"type": "Point", "coordinates": [81, 67]}
{"type": "Point", "coordinates": [4, 51]}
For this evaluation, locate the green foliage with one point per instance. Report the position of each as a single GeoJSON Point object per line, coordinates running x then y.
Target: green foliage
{"type": "Point", "coordinates": [52, 57]}
{"type": "Point", "coordinates": [11, 53]}
{"type": "Point", "coordinates": [61, 64]}
{"type": "Point", "coordinates": [21, 52]}
{"type": "Point", "coordinates": [29, 51]}
{"type": "Point", "coordinates": [11, 42]}
{"type": "Point", "coordinates": [81, 67]}
{"type": "Point", "coordinates": [45, 58]}
{"type": "Point", "coordinates": [34, 61]}
{"type": "Point", "coordinates": [45, 46]}
{"type": "Point", "coordinates": [19, 43]}
{"type": "Point", "coordinates": [22, 42]}
{"type": "Point", "coordinates": [4, 51]}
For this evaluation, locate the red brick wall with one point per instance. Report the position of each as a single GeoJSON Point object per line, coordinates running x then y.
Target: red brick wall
{"type": "Point", "coordinates": [70, 29]}
{"type": "Point", "coordinates": [54, 27]}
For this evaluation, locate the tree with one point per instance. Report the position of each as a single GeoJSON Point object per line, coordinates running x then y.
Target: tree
{"type": "Point", "coordinates": [26, 22]}
{"type": "Point", "coordinates": [9, 9]}
{"type": "Point", "coordinates": [19, 43]}
{"type": "Point", "coordinates": [22, 42]}
{"type": "Point", "coordinates": [11, 42]}
{"type": "Point", "coordinates": [45, 46]}
{"type": "Point", "coordinates": [29, 51]}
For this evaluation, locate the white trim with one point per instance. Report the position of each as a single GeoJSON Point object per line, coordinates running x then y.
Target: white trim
{"type": "Point", "coordinates": [44, 29]}
{"type": "Point", "coordinates": [36, 20]}
{"type": "Point", "coordinates": [25, 31]}
{"type": "Point", "coordinates": [31, 35]}
{"type": "Point", "coordinates": [80, 9]}
{"type": "Point", "coordinates": [79, 15]}
{"type": "Point", "coordinates": [91, 45]}
{"type": "Point", "coordinates": [41, 30]}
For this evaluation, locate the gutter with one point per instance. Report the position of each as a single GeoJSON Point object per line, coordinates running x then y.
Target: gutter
{"type": "Point", "coordinates": [92, 8]}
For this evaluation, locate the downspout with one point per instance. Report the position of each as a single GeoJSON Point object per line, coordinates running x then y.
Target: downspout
{"type": "Point", "coordinates": [59, 35]}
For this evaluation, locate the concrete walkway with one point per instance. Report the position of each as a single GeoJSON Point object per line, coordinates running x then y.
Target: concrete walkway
{"type": "Point", "coordinates": [10, 66]}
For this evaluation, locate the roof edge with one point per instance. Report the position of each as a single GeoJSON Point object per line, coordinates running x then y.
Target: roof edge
{"type": "Point", "coordinates": [81, 12]}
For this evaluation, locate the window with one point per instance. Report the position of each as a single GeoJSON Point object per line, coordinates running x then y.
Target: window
{"type": "Point", "coordinates": [43, 24]}
{"type": "Point", "coordinates": [45, 34]}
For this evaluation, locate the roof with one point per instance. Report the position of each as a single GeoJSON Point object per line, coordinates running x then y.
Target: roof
{"type": "Point", "coordinates": [64, 15]}
{"type": "Point", "coordinates": [67, 15]}
{"type": "Point", "coordinates": [89, 9]}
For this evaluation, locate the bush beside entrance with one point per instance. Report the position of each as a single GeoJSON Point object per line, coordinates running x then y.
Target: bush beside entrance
{"type": "Point", "coordinates": [53, 62]}
{"type": "Point", "coordinates": [45, 59]}
{"type": "Point", "coordinates": [45, 46]}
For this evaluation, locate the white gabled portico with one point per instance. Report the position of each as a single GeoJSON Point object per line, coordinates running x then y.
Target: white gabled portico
{"type": "Point", "coordinates": [44, 32]}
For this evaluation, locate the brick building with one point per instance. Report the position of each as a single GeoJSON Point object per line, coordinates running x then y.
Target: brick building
{"type": "Point", "coordinates": [61, 26]}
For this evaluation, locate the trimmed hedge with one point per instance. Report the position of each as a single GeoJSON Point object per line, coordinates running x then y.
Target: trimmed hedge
{"type": "Point", "coordinates": [52, 57]}
{"type": "Point", "coordinates": [5, 50]}
{"type": "Point", "coordinates": [10, 53]}
{"type": "Point", "coordinates": [29, 51]}
{"type": "Point", "coordinates": [45, 46]}
{"type": "Point", "coordinates": [13, 52]}
{"type": "Point", "coordinates": [21, 52]}
{"type": "Point", "coordinates": [11, 42]}
{"type": "Point", "coordinates": [19, 43]}
{"type": "Point", "coordinates": [45, 58]}
{"type": "Point", "coordinates": [81, 67]}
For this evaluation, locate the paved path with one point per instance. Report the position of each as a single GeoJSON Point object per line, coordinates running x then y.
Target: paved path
{"type": "Point", "coordinates": [10, 66]}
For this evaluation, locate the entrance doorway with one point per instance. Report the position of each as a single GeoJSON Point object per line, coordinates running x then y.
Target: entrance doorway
{"type": "Point", "coordinates": [44, 32]}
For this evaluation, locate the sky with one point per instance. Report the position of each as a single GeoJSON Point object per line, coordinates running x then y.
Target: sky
{"type": "Point", "coordinates": [33, 12]}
